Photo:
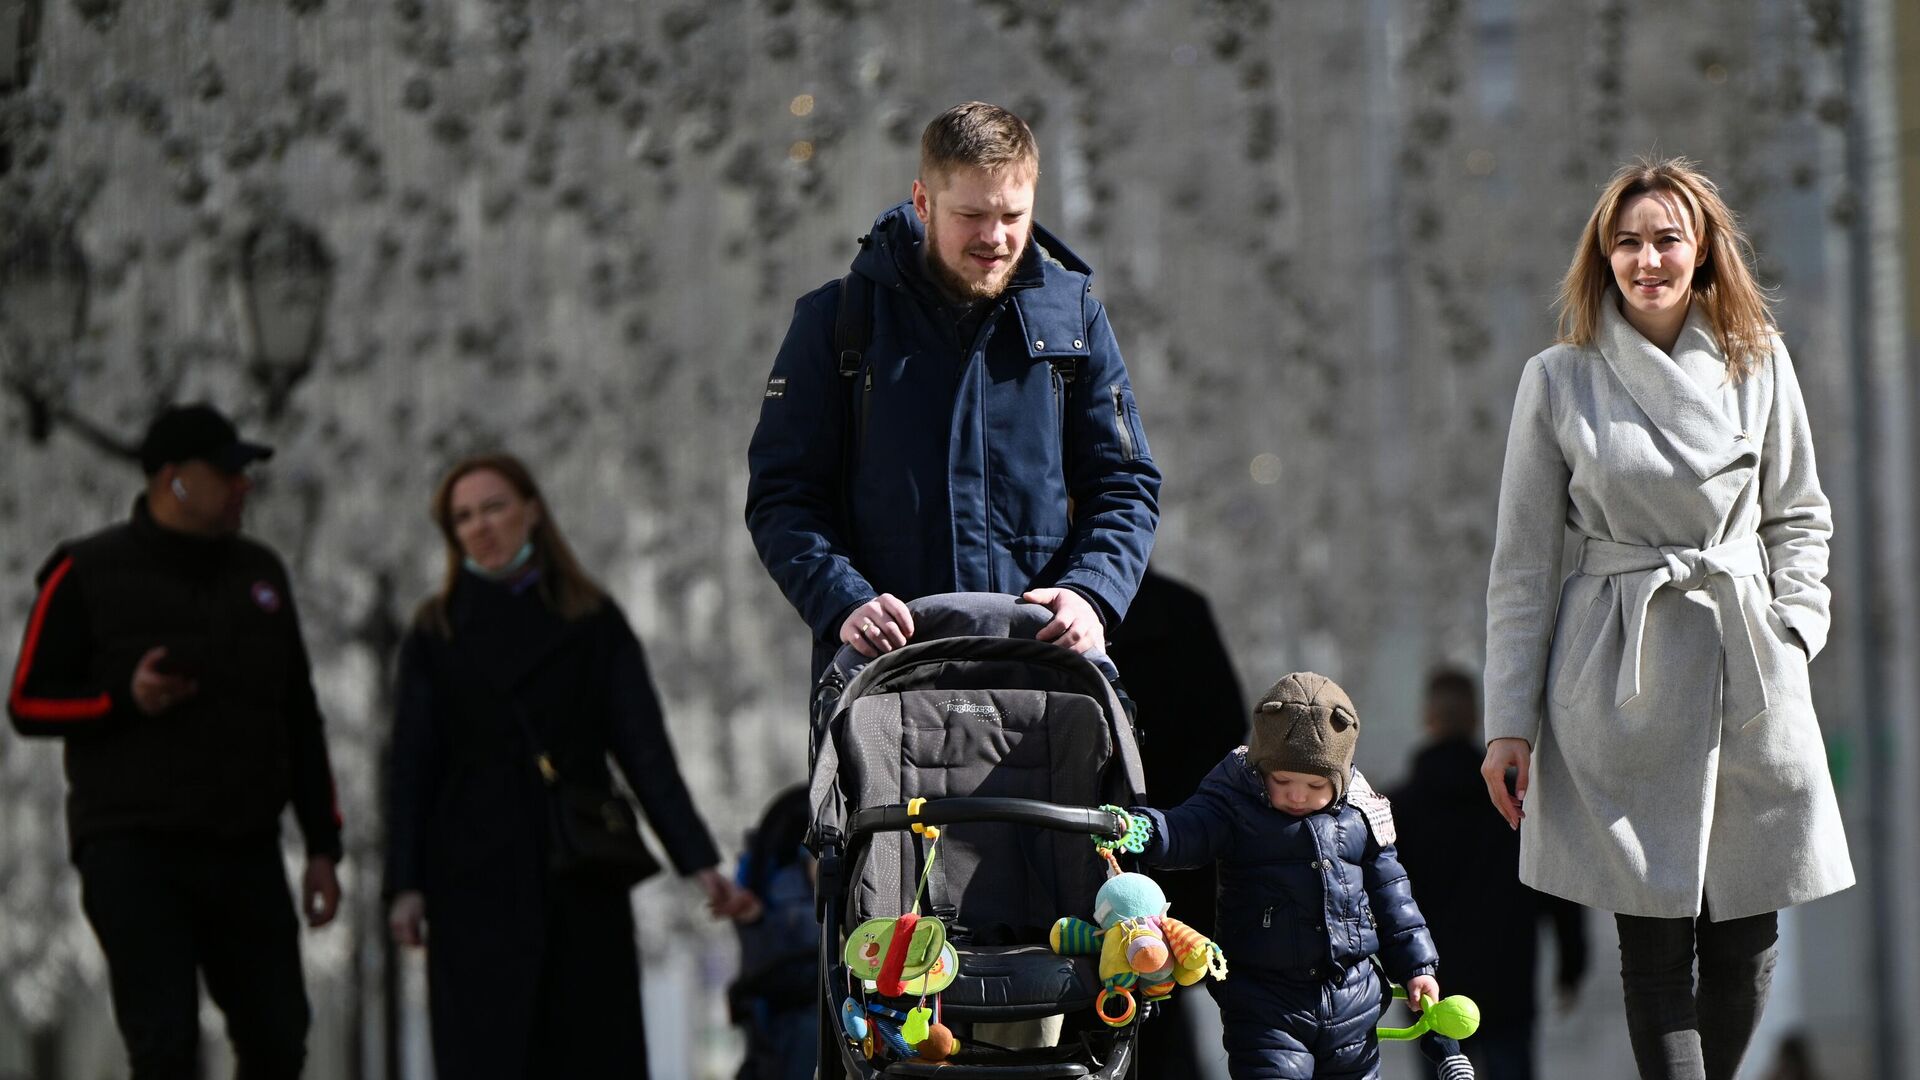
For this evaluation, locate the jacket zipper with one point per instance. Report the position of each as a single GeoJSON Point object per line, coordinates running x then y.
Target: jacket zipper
{"type": "Point", "coordinates": [1120, 421]}
{"type": "Point", "coordinates": [1266, 918]}
{"type": "Point", "coordinates": [866, 409]}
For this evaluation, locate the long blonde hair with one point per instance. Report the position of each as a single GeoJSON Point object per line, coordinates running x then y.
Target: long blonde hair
{"type": "Point", "coordinates": [564, 586]}
{"type": "Point", "coordinates": [1737, 308]}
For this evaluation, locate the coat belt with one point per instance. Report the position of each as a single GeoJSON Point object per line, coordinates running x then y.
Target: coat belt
{"type": "Point", "coordinates": [1647, 569]}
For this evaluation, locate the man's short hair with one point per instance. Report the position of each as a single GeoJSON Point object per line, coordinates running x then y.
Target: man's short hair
{"type": "Point", "coordinates": [978, 136]}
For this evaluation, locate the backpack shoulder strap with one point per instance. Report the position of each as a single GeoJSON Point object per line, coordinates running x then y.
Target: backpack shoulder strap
{"type": "Point", "coordinates": [853, 322]}
{"type": "Point", "coordinates": [852, 333]}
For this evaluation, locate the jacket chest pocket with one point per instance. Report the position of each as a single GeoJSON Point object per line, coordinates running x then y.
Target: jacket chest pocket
{"type": "Point", "coordinates": [891, 401]}
{"type": "Point", "coordinates": [1277, 935]}
{"type": "Point", "coordinates": [173, 613]}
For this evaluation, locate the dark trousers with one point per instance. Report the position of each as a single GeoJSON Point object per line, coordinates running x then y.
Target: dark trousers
{"type": "Point", "coordinates": [1167, 1046]}
{"type": "Point", "coordinates": [171, 911]}
{"type": "Point", "coordinates": [1681, 1030]}
{"type": "Point", "coordinates": [560, 998]}
{"type": "Point", "coordinates": [1282, 1028]}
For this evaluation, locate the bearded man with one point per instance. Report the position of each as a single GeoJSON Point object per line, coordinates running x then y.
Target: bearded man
{"type": "Point", "coordinates": [954, 415]}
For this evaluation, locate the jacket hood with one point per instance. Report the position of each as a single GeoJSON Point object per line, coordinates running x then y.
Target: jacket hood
{"type": "Point", "coordinates": [890, 254]}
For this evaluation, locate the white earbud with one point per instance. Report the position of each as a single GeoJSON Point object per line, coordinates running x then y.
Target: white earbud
{"type": "Point", "coordinates": [179, 489]}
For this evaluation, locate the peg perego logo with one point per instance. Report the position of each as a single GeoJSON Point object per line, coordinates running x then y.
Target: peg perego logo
{"type": "Point", "coordinates": [963, 707]}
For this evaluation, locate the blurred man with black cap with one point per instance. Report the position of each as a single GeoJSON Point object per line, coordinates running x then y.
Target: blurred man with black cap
{"type": "Point", "coordinates": [166, 651]}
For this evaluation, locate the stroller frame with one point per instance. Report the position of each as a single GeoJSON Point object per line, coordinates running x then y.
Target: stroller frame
{"type": "Point", "coordinates": [842, 839]}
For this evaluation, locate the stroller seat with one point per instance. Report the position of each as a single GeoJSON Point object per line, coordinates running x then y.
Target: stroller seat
{"type": "Point", "coordinates": [1020, 982]}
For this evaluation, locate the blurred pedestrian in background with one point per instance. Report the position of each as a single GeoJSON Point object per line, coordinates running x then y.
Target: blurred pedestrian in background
{"type": "Point", "coordinates": [510, 853]}
{"type": "Point", "coordinates": [167, 653]}
{"type": "Point", "coordinates": [1467, 863]}
{"type": "Point", "coordinates": [776, 997]}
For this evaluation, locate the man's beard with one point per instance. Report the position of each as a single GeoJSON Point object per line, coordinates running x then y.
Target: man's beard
{"type": "Point", "coordinates": [967, 289]}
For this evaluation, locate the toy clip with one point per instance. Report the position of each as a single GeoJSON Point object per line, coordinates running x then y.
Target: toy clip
{"type": "Point", "coordinates": [931, 832]}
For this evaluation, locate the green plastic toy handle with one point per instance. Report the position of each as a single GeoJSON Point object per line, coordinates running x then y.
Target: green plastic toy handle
{"type": "Point", "coordinates": [1455, 1016]}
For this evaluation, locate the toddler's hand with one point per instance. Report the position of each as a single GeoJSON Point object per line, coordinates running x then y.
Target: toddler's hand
{"type": "Point", "coordinates": [1422, 987]}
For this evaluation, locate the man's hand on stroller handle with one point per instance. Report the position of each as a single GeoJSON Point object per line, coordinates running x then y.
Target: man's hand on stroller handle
{"type": "Point", "coordinates": [1076, 624]}
{"type": "Point", "coordinates": [882, 624]}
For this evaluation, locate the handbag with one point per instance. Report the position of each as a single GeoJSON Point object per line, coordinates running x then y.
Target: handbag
{"type": "Point", "coordinates": [593, 833]}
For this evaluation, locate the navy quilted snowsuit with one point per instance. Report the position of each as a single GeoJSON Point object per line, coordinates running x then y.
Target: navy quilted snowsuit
{"type": "Point", "coordinates": [1304, 902]}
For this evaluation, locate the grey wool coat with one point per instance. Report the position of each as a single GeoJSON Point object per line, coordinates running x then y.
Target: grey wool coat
{"type": "Point", "coordinates": [1663, 683]}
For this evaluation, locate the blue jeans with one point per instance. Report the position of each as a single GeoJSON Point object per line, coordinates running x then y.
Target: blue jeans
{"type": "Point", "coordinates": [1683, 1030]}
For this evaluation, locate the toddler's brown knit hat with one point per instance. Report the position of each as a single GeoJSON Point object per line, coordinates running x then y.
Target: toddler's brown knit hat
{"type": "Point", "coordinates": [1305, 724]}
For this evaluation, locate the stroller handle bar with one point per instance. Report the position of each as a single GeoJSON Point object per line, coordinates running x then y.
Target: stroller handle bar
{"type": "Point", "coordinates": [957, 811]}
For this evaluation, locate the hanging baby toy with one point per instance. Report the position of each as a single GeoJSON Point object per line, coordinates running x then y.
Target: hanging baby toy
{"type": "Point", "coordinates": [1140, 946]}
{"type": "Point", "coordinates": [902, 956]}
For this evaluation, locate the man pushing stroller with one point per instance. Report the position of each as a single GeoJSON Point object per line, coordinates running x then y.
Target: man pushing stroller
{"type": "Point", "coordinates": [1311, 891]}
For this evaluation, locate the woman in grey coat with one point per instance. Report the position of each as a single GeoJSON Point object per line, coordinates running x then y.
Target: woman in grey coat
{"type": "Point", "coordinates": [1654, 701]}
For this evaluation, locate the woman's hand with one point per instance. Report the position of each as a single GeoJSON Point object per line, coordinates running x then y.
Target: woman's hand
{"type": "Point", "coordinates": [725, 900]}
{"type": "Point", "coordinates": [1422, 989]}
{"type": "Point", "coordinates": [319, 891]}
{"type": "Point", "coordinates": [1504, 754]}
{"type": "Point", "coordinates": [406, 918]}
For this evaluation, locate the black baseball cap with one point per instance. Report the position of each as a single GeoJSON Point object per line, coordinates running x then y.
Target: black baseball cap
{"type": "Point", "coordinates": [197, 432]}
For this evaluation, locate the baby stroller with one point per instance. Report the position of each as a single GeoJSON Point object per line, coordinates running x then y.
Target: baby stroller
{"type": "Point", "coordinates": [1007, 746]}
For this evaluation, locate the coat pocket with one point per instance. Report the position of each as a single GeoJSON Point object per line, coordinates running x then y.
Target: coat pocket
{"type": "Point", "coordinates": [1126, 424]}
{"type": "Point", "coordinates": [1788, 638]}
{"type": "Point", "coordinates": [1783, 658]}
{"type": "Point", "coordinates": [1577, 647]}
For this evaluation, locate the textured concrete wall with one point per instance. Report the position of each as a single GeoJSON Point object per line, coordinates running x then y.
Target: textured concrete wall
{"type": "Point", "coordinates": [1328, 232]}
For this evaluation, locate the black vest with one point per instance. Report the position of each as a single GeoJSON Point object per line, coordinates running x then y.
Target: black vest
{"type": "Point", "coordinates": [222, 762]}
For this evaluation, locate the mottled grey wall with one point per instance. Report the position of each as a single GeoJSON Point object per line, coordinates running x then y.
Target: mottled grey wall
{"type": "Point", "coordinates": [1328, 231]}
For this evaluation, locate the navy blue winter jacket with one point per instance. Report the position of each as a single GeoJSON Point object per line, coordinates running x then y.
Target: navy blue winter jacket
{"type": "Point", "coordinates": [954, 480]}
{"type": "Point", "coordinates": [1301, 896]}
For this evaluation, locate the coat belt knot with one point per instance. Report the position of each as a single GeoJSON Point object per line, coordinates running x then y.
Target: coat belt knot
{"type": "Point", "coordinates": [1644, 570]}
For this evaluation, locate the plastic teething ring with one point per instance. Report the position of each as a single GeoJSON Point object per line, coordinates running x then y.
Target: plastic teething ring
{"type": "Point", "coordinates": [1100, 1006]}
{"type": "Point", "coordinates": [1135, 832]}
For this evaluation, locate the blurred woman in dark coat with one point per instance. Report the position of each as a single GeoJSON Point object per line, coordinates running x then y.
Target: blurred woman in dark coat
{"type": "Point", "coordinates": [528, 973]}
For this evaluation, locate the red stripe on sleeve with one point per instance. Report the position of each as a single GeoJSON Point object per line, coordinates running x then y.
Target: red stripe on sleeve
{"type": "Point", "coordinates": [35, 708]}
